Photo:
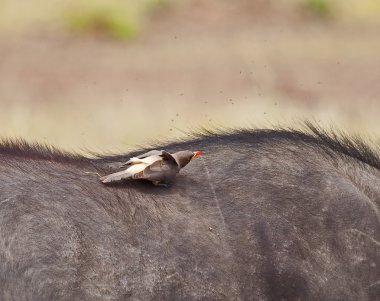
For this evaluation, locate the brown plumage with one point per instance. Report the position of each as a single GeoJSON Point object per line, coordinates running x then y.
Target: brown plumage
{"type": "Point", "coordinates": [157, 166]}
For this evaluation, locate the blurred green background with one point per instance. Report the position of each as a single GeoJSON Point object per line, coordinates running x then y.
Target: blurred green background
{"type": "Point", "coordinates": [109, 75]}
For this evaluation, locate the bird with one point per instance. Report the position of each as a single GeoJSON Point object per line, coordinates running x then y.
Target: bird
{"type": "Point", "coordinates": [157, 166]}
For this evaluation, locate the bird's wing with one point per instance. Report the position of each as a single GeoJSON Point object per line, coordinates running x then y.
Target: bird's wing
{"type": "Point", "coordinates": [159, 170]}
{"type": "Point", "coordinates": [123, 175]}
{"type": "Point", "coordinates": [137, 159]}
{"type": "Point", "coordinates": [169, 158]}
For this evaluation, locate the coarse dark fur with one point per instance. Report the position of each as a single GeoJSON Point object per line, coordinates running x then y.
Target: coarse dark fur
{"type": "Point", "coordinates": [262, 215]}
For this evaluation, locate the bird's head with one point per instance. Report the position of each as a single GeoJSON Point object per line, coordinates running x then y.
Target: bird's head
{"type": "Point", "coordinates": [184, 157]}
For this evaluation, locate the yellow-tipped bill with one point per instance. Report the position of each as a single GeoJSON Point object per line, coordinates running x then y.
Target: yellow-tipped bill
{"type": "Point", "coordinates": [195, 155]}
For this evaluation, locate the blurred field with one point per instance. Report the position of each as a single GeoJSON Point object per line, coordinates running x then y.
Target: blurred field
{"type": "Point", "coordinates": [109, 75]}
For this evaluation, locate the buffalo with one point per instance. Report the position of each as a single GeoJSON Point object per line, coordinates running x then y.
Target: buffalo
{"type": "Point", "coordinates": [276, 214]}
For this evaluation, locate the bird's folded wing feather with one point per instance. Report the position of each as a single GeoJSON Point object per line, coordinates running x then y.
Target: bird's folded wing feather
{"type": "Point", "coordinates": [150, 171]}
{"type": "Point", "coordinates": [125, 174]}
{"type": "Point", "coordinates": [169, 158]}
{"type": "Point", "coordinates": [157, 171]}
{"type": "Point", "coordinates": [137, 159]}
{"type": "Point", "coordinates": [160, 169]}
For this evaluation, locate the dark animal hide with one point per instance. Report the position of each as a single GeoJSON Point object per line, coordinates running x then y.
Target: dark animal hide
{"type": "Point", "coordinates": [262, 215]}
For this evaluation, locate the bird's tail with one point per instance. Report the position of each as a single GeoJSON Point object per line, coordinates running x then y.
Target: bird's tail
{"type": "Point", "coordinates": [115, 177]}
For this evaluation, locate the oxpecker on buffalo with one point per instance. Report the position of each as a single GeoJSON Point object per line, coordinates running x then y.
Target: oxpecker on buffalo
{"type": "Point", "coordinates": [157, 166]}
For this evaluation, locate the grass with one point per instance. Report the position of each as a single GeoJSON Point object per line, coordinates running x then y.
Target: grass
{"type": "Point", "coordinates": [108, 21]}
{"type": "Point", "coordinates": [119, 20]}
{"type": "Point", "coordinates": [122, 20]}
{"type": "Point", "coordinates": [351, 11]}
{"type": "Point", "coordinates": [320, 8]}
{"type": "Point", "coordinates": [125, 19]}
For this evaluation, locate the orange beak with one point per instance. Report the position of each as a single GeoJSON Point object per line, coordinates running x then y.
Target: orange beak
{"type": "Point", "coordinates": [195, 155]}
